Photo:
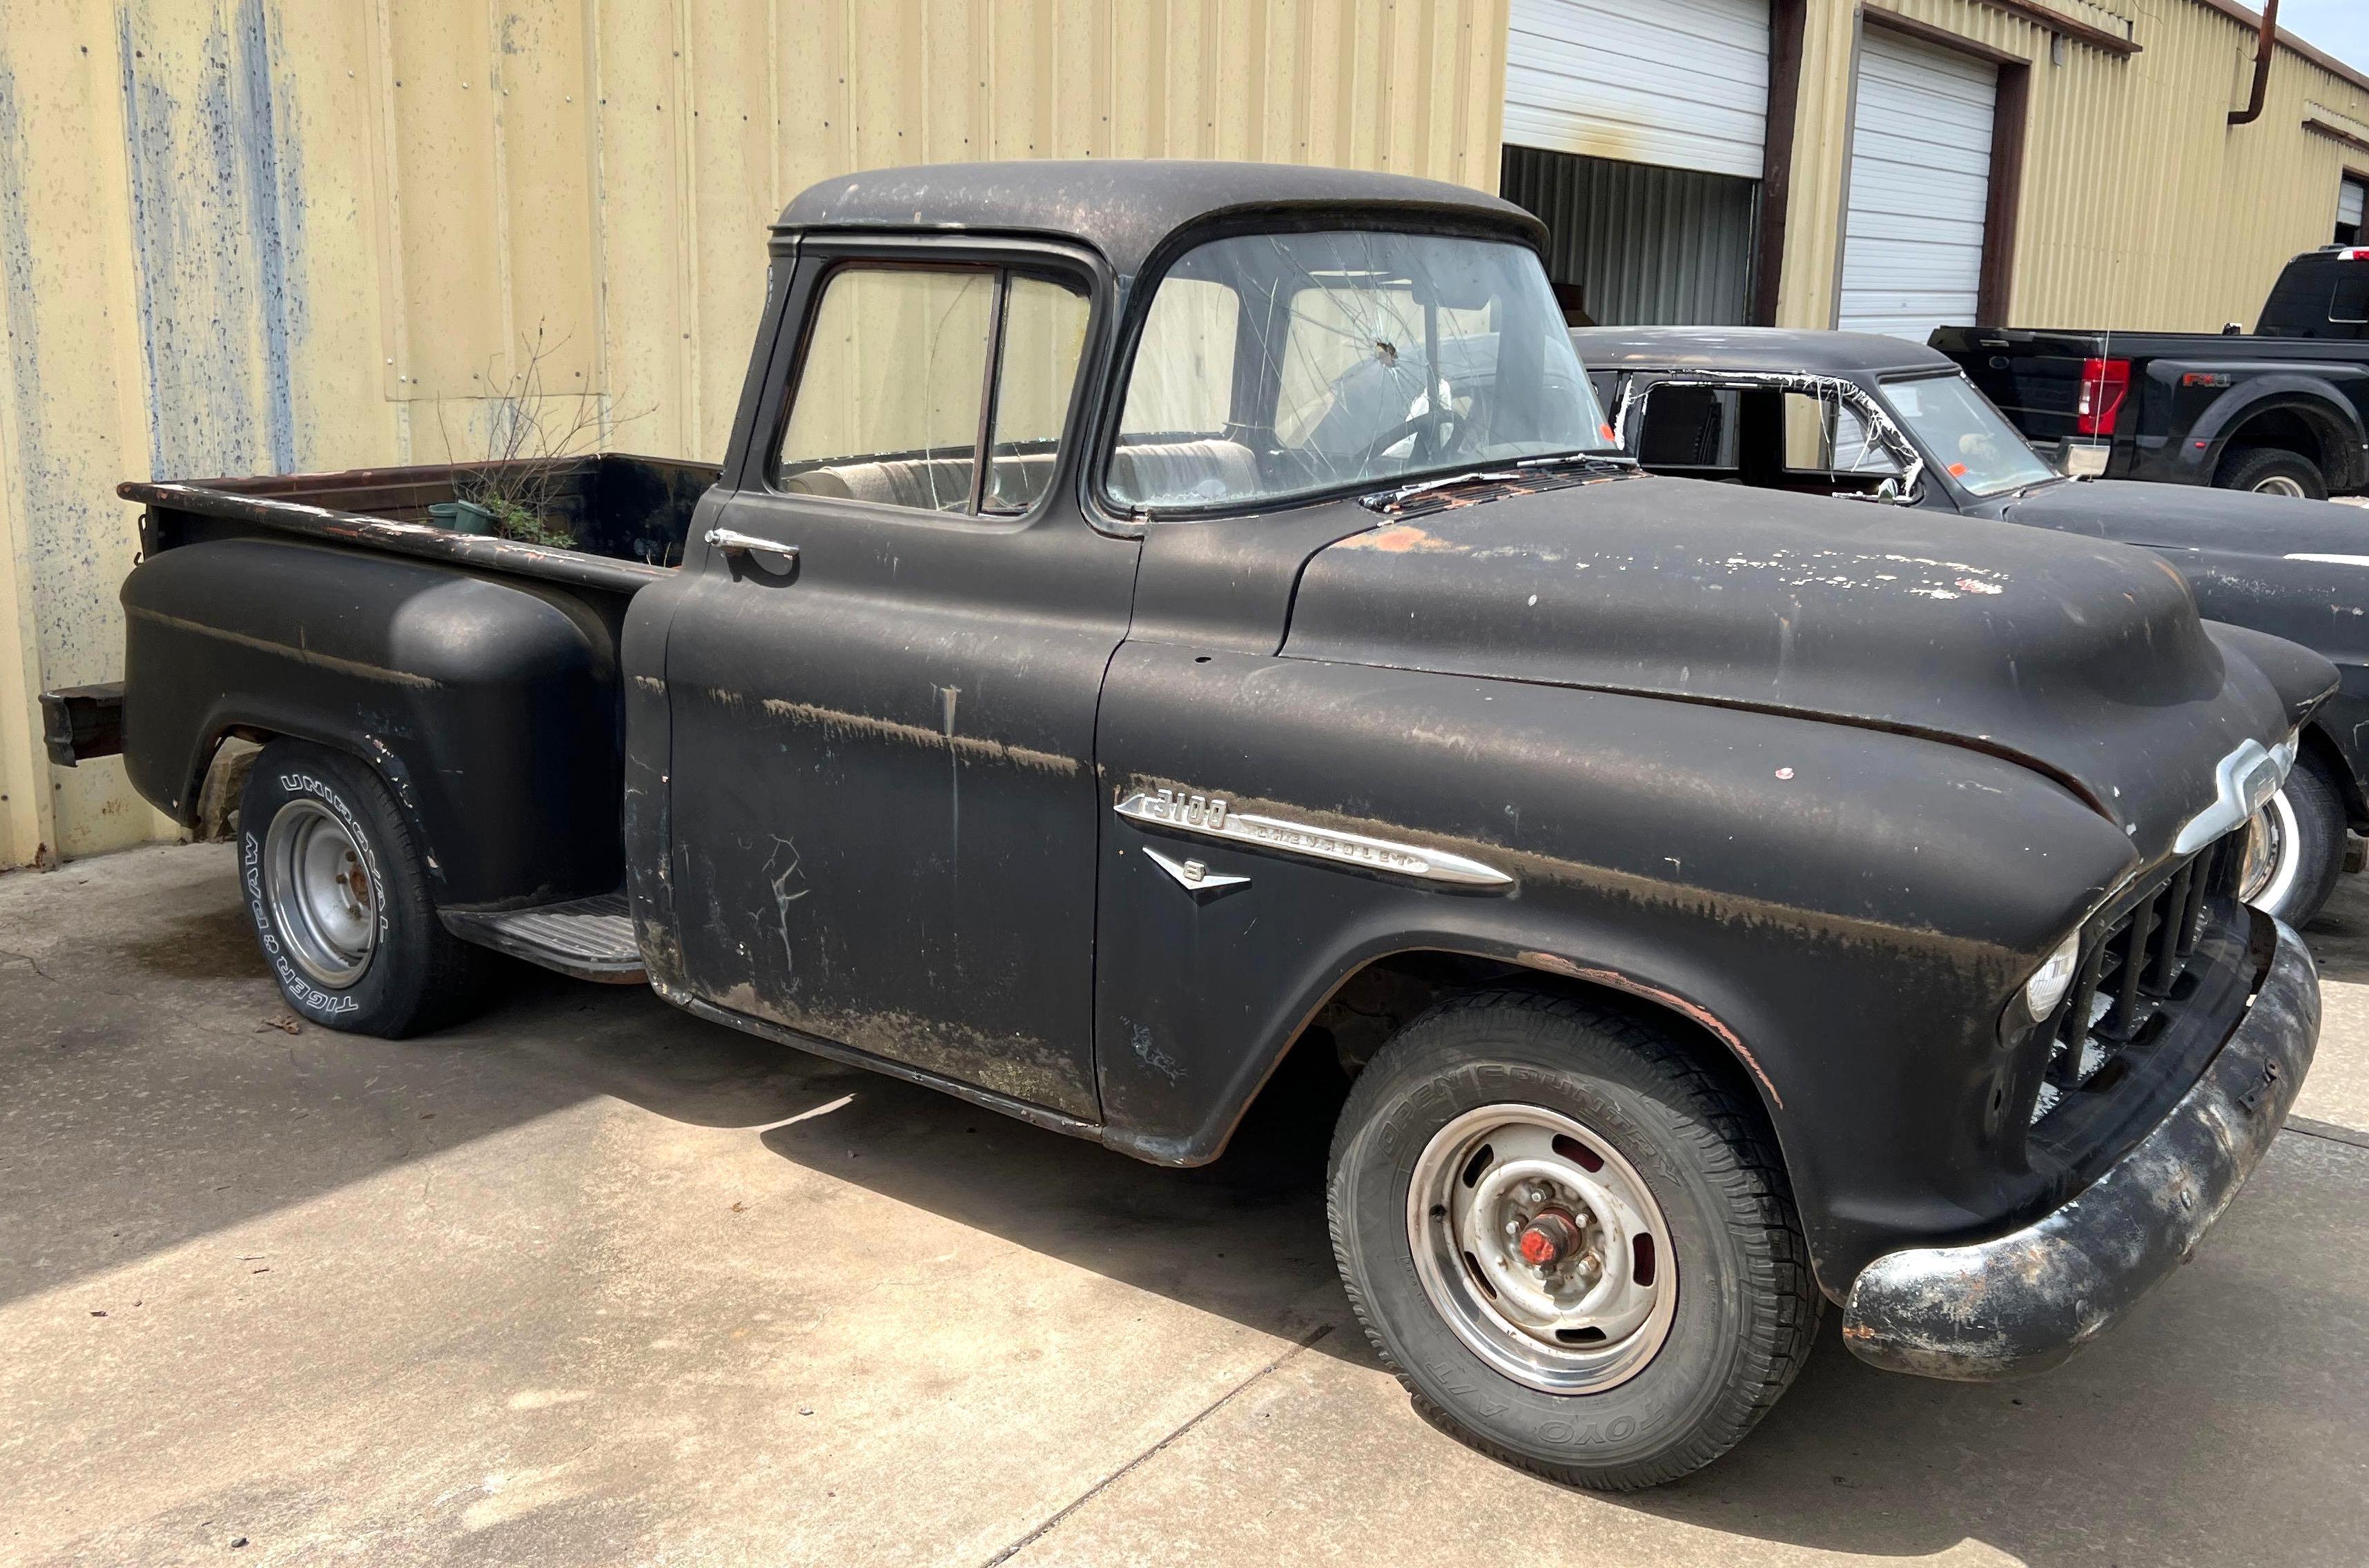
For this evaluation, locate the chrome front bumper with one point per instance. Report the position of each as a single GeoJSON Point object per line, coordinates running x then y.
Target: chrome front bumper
{"type": "Point", "coordinates": [2025, 1302]}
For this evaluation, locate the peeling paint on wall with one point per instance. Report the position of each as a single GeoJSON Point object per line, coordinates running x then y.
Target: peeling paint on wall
{"type": "Point", "coordinates": [218, 226]}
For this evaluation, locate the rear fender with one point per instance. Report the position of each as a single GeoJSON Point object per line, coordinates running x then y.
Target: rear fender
{"type": "Point", "coordinates": [490, 707]}
{"type": "Point", "coordinates": [2314, 399]}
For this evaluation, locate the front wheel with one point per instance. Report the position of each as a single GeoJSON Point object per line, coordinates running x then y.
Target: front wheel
{"type": "Point", "coordinates": [339, 896]}
{"type": "Point", "coordinates": [2295, 845]}
{"type": "Point", "coordinates": [1569, 1240]}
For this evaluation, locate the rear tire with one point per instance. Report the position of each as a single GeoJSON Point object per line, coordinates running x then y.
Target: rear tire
{"type": "Point", "coordinates": [2295, 848]}
{"type": "Point", "coordinates": [2272, 471]}
{"type": "Point", "coordinates": [337, 891]}
{"type": "Point", "coordinates": [1614, 1363]}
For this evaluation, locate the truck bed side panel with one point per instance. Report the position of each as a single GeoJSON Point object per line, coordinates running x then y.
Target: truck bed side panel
{"type": "Point", "coordinates": [489, 706]}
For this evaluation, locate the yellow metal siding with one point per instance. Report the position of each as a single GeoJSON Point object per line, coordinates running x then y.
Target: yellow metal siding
{"type": "Point", "coordinates": [245, 235]}
{"type": "Point", "coordinates": [2142, 206]}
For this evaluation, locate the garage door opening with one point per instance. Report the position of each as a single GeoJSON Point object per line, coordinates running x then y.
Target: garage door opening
{"type": "Point", "coordinates": [1635, 245]}
{"type": "Point", "coordinates": [1640, 135]}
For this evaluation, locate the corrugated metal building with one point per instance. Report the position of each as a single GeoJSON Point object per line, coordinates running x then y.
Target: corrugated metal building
{"type": "Point", "coordinates": [240, 235]}
{"type": "Point", "coordinates": [1894, 164]}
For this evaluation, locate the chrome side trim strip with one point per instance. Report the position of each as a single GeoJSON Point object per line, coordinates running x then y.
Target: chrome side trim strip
{"type": "Point", "coordinates": [1215, 818]}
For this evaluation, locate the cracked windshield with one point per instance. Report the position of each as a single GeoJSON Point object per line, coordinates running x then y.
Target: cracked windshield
{"type": "Point", "coordinates": [1279, 365]}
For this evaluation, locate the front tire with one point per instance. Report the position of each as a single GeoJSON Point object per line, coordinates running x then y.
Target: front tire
{"type": "Point", "coordinates": [1568, 1240]}
{"type": "Point", "coordinates": [2295, 845]}
{"type": "Point", "coordinates": [2272, 471]}
{"type": "Point", "coordinates": [339, 894]}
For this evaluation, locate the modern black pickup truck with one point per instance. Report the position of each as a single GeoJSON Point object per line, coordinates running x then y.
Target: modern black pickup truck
{"type": "Point", "coordinates": [1154, 618]}
{"type": "Point", "coordinates": [1872, 418]}
{"type": "Point", "coordinates": [2280, 412]}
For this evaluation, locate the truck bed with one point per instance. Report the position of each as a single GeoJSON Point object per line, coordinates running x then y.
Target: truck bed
{"type": "Point", "coordinates": [629, 513]}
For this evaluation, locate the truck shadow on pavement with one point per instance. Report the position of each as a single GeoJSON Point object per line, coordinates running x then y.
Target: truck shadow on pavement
{"type": "Point", "coordinates": [2239, 1377]}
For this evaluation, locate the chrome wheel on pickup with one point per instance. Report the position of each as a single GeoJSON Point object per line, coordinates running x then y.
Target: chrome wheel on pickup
{"type": "Point", "coordinates": [339, 889]}
{"type": "Point", "coordinates": [1571, 1236]}
{"type": "Point", "coordinates": [1542, 1248]}
{"type": "Point", "coordinates": [320, 894]}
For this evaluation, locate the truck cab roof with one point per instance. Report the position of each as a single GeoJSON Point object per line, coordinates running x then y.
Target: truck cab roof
{"type": "Point", "coordinates": [1126, 208]}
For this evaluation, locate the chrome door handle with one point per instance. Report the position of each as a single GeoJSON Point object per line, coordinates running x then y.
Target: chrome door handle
{"type": "Point", "coordinates": [728, 539]}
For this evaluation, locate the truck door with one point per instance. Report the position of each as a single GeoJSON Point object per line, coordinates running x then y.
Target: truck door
{"type": "Point", "coordinates": [883, 796]}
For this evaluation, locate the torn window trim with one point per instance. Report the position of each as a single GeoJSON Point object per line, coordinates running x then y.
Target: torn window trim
{"type": "Point", "coordinates": [1864, 403]}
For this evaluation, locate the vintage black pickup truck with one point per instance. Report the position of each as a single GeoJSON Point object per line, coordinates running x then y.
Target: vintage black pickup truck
{"type": "Point", "coordinates": [1153, 619]}
{"type": "Point", "coordinates": [2284, 412]}
{"type": "Point", "coordinates": [1865, 415]}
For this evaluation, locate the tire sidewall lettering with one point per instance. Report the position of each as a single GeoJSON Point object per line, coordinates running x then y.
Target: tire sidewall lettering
{"type": "Point", "coordinates": [300, 989]}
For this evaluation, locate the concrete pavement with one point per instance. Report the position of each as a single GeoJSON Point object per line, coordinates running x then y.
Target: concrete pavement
{"type": "Point", "coordinates": [591, 1282]}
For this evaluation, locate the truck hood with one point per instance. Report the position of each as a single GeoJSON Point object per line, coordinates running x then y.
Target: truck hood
{"type": "Point", "coordinates": [2183, 517]}
{"type": "Point", "coordinates": [2082, 658]}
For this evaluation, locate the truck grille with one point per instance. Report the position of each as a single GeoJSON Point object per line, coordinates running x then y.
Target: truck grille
{"type": "Point", "coordinates": [2133, 972]}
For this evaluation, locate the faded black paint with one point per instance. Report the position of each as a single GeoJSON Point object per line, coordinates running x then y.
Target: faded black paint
{"type": "Point", "coordinates": [2238, 552]}
{"type": "Point", "coordinates": [2026, 1300]}
{"type": "Point", "coordinates": [1828, 801]}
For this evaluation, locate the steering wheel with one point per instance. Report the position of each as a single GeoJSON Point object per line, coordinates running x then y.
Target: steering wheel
{"type": "Point", "coordinates": [1424, 426]}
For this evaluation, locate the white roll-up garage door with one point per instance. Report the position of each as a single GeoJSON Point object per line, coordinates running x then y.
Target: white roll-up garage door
{"type": "Point", "coordinates": [1920, 173]}
{"type": "Point", "coordinates": [1679, 82]}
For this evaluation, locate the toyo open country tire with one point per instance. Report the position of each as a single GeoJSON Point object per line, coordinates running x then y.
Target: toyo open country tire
{"type": "Point", "coordinates": [338, 896]}
{"type": "Point", "coordinates": [1599, 1113]}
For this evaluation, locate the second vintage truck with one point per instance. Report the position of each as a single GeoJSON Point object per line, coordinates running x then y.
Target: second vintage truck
{"type": "Point", "coordinates": [1153, 619]}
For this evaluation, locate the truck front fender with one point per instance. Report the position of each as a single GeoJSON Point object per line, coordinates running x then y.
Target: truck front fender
{"type": "Point", "coordinates": [1846, 911]}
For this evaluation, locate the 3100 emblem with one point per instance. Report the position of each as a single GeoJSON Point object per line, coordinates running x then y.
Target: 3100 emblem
{"type": "Point", "coordinates": [1214, 817]}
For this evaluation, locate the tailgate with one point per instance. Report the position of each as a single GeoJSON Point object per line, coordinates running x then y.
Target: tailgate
{"type": "Point", "coordinates": [2033, 376]}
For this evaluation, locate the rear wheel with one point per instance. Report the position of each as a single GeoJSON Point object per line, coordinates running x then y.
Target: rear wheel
{"type": "Point", "coordinates": [2295, 845]}
{"type": "Point", "coordinates": [1570, 1243]}
{"type": "Point", "coordinates": [339, 894]}
{"type": "Point", "coordinates": [2272, 471]}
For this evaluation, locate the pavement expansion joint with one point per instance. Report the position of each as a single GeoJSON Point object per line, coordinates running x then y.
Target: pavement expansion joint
{"type": "Point", "coordinates": [1305, 1342]}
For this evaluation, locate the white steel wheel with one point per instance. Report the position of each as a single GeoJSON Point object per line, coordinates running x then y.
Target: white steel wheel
{"type": "Point", "coordinates": [1542, 1248]}
{"type": "Point", "coordinates": [319, 892]}
{"type": "Point", "coordinates": [2280, 484]}
{"type": "Point", "coordinates": [2273, 855]}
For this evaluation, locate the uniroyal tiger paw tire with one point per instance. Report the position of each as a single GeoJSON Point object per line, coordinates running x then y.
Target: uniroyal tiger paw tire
{"type": "Point", "coordinates": [338, 893]}
{"type": "Point", "coordinates": [1573, 1244]}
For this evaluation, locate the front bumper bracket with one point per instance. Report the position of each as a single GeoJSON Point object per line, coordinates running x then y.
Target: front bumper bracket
{"type": "Point", "coordinates": [2026, 1301]}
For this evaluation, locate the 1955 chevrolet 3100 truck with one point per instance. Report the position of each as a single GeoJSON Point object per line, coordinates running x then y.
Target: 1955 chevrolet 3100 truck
{"type": "Point", "coordinates": [1152, 617]}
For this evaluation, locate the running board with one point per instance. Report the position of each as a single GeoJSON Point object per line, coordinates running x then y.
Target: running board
{"type": "Point", "coordinates": [592, 939]}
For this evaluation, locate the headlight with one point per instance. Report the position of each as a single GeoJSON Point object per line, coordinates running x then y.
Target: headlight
{"type": "Point", "coordinates": [2049, 982]}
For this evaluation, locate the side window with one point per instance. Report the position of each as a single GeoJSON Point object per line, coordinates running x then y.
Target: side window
{"type": "Point", "coordinates": [1688, 427]}
{"type": "Point", "coordinates": [1044, 332]}
{"type": "Point", "coordinates": [889, 402]}
{"type": "Point", "coordinates": [1824, 435]}
{"type": "Point", "coordinates": [2347, 302]}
